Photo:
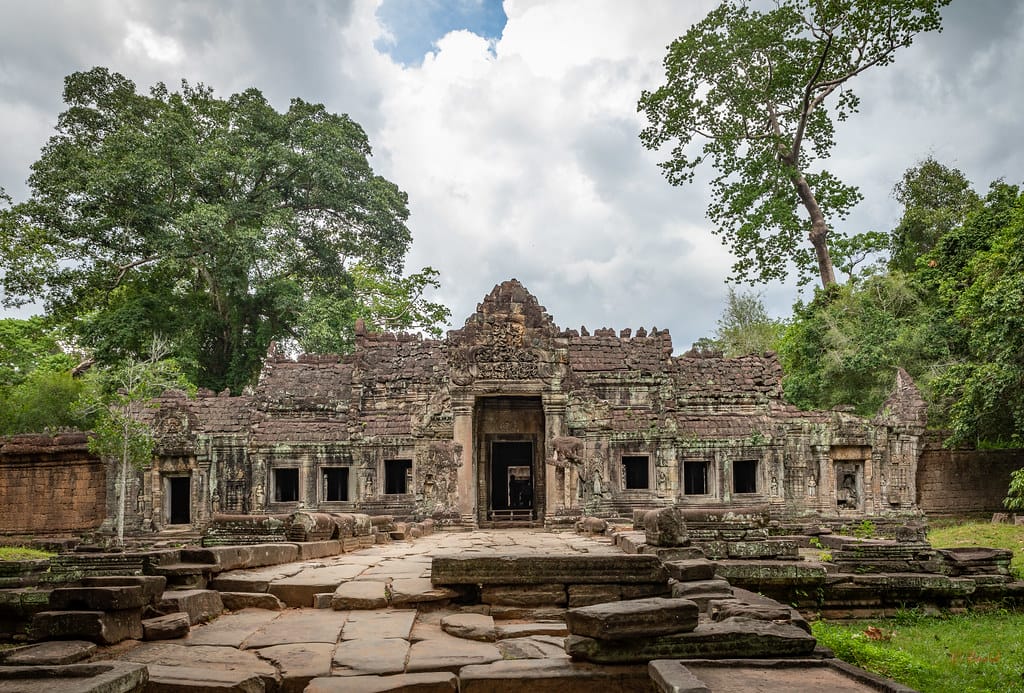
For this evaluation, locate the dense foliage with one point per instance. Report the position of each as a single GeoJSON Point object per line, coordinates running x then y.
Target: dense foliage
{"type": "Point", "coordinates": [948, 307]}
{"type": "Point", "coordinates": [755, 93]}
{"type": "Point", "coordinates": [222, 224]}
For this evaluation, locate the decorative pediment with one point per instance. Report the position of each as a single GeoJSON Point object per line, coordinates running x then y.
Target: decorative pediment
{"type": "Point", "coordinates": [510, 337]}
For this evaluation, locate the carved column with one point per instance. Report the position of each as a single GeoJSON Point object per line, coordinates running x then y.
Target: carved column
{"type": "Point", "coordinates": [554, 425]}
{"type": "Point", "coordinates": [462, 435]}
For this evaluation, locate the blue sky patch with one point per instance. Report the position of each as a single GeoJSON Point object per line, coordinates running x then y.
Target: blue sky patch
{"type": "Point", "coordinates": [417, 24]}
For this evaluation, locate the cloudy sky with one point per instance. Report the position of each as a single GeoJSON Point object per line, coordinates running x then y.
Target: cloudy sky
{"type": "Point", "coordinates": [513, 126]}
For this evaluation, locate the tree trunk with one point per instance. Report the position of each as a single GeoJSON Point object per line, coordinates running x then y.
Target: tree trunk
{"type": "Point", "coordinates": [819, 230]}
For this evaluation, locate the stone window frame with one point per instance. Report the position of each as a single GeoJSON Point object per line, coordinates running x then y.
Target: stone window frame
{"type": "Point", "coordinates": [758, 473]}
{"type": "Point", "coordinates": [272, 490]}
{"type": "Point", "coordinates": [710, 478]}
{"type": "Point", "coordinates": [651, 472]}
{"type": "Point", "coordinates": [350, 491]}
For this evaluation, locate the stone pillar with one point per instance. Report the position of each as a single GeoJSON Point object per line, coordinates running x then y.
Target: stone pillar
{"type": "Point", "coordinates": [462, 425]}
{"type": "Point", "coordinates": [554, 425]}
{"type": "Point", "coordinates": [308, 482]}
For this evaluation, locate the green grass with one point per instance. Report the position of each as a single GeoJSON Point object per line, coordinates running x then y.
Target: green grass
{"type": "Point", "coordinates": [983, 534]}
{"type": "Point", "coordinates": [22, 553]}
{"type": "Point", "coordinates": [973, 653]}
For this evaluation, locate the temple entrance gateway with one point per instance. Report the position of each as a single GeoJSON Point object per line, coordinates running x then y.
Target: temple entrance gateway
{"type": "Point", "coordinates": [509, 464]}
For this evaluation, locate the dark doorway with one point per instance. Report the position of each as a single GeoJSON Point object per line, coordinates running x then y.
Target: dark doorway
{"type": "Point", "coordinates": [286, 485]}
{"type": "Point", "coordinates": [744, 476]}
{"type": "Point", "coordinates": [179, 501]}
{"type": "Point", "coordinates": [635, 472]}
{"type": "Point", "coordinates": [512, 479]}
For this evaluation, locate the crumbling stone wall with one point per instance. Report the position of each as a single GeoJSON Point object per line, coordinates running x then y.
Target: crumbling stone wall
{"type": "Point", "coordinates": [50, 485]}
{"type": "Point", "coordinates": [963, 480]}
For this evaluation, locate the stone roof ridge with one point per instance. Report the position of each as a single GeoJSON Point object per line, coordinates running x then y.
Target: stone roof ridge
{"type": "Point", "coordinates": [511, 301]}
{"type": "Point", "coordinates": [906, 405]}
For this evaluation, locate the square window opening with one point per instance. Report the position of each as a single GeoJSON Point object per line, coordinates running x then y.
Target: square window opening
{"type": "Point", "coordinates": [695, 478]}
{"type": "Point", "coordinates": [286, 485]}
{"type": "Point", "coordinates": [744, 476]}
{"type": "Point", "coordinates": [335, 481]}
{"type": "Point", "coordinates": [397, 475]}
{"type": "Point", "coordinates": [635, 473]}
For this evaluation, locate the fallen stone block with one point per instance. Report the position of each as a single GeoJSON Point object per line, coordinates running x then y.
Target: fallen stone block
{"type": "Point", "coordinates": [152, 586]}
{"type": "Point", "coordinates": [556, 675]}
{"type": "Point", "coordinates": [585, 595]}
{"type": "Point", "coordinates": [633, 619]}
{"type": "Point", "coordinates": [101, 627]}
{"type": "Point", "coordinates": [235, 601]}
{"type": "Point", "coordinates": [166, 627]}
{"type": "Point", "coordinates": [672, 676]}
{"type": "Point", "coordinates": [407, 592]}
{"type": "Point", "coordinates": [362, 526]}
{"type": "Point", "coordinates": [739, 638]}
{"type": "Point", "coordinates": [97, 677]}
{"type": "Point", "coordinates": [200, 605]}
{"type": "Point", "coordinates": [470, 627]}
{"type": "Point", "coordinates": [55, 653]}
{"type": "Point", "coordinates": [114, 598]}
{"type": "Point", "coordinates": [308, 526]}
{"type": "Point", "coordinates": [702, 591]}
{"type": "Point", "coordinates": [666, 527]}
{"type": "Point", "coordinates": [522, 630]}
{"type": "Point", "coordinates": [426, 682]}
{"type": "Point", "coordinates": [672, 553]}
{"type": "Point", "coordinates": [503, 569]}
{"type": "Point", "coordinates": [694, 569]}
{"type": "Point", "coordinates": [272, 554]}
{"type": "Point", "coordinates": [524, 595]}
{"type": "Point", "coordinates": [318, 549]}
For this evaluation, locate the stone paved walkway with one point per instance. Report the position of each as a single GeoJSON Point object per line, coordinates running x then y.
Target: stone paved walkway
{"type": "Point", "coordinates": [420, 642]}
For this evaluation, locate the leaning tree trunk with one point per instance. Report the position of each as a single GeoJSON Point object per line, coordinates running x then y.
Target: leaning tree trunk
{"type": "Point", "coordinates": [819, 230]}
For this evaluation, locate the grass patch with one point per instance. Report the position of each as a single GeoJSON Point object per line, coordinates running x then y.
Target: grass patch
{"type": "Point", "coordinates": [997, 536]}
{"type": "Point", "coordinates": [973, 653]}
{"type": "Point", "coordinates": [22, 553]}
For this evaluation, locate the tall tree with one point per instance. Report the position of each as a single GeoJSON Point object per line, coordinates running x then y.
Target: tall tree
{"type": "Point", "coordinates": [215, 221]}
{"type": "Point", "coordinates": [936, 199]}
{"type": "Point", "coordinates": [745, 327]}
{"type": "Point", "coordinates": [753, 91]}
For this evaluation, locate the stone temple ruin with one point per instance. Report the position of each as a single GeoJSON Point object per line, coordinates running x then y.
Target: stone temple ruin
{"type": "Point", "coordinates": [512, 420]}
{"type": "Point", "coordinates": [703, 508]}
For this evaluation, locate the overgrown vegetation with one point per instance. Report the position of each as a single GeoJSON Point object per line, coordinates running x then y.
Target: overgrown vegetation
{"type": "Point", "coordinates": [999, 536]}
{"type": "Point", "coordinates": [973, 653]}
{"type": "Point", "coordinates": [22, 553]}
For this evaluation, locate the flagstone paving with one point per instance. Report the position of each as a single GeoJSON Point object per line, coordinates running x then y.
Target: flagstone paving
{"type": "Point", "coordinates": [383, 647]}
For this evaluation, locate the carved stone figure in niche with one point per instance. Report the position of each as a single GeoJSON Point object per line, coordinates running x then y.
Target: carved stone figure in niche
{"type": "Point", "coordinates": [812, 487]}
{"type": "Point", "coordinates": [846, 494]}
{"type": "Point", "coordinates": [774, 485]}
{"type": "Point", "coordinates": [369, 482]}
{"type": "Point", "coordinates": [261, 497]}
{"type": "Point", "coordinates": [437, 493]}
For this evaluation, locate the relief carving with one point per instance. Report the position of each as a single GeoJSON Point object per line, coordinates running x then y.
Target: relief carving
{"type": "Point", "coordinates": [437, 480]}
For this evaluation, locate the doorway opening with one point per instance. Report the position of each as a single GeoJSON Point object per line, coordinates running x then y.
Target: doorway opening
{"type": "Point", "coordinates": [511, 486]}
{"type": "Point", "coordinates": [179, 500]}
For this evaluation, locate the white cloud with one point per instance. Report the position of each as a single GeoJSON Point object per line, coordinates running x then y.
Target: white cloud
{"type": "Point", "coordinates": [521, 156]}
{"type": "Point", "coordinates": [142, 40]}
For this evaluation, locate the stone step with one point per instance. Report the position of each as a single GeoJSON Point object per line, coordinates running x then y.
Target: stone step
{"type": "Point", "coordinates": [503, 569]}
{"type": "Point", "coordinates": [200, 605]}
{"type": "Point", "coordinates": [634, 618]}
{"type": "Point", "coordinates": [100, 627]}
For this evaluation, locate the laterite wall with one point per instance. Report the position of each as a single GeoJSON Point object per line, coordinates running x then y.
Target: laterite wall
{"type": "Point", "coordinates": [50, 485]}
{"type": "Point", "coordinates": [962, 481]}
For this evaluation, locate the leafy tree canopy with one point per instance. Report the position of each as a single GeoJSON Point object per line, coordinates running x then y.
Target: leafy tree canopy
{"type": "Point", "coordinates": [221, 223]}
{"type": "Point", "coordinates": [750, 92]}
{"type": "Point", "coordinates": [744, 327]}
